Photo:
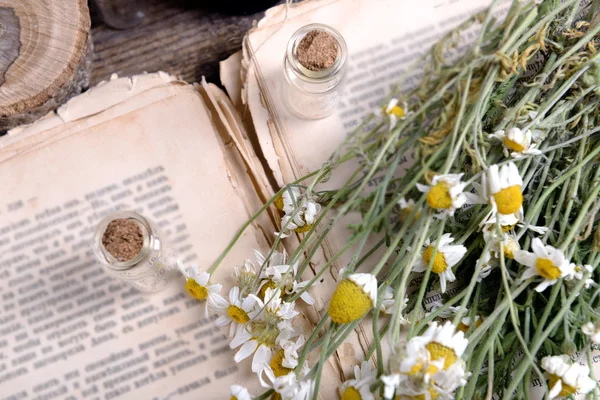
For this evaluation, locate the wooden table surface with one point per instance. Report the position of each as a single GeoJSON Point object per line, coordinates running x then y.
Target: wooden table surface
{"type": "Point", "coordinates": [180, 37]}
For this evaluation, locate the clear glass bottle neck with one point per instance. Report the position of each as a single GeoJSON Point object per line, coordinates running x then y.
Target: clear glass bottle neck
{"type": "Point", "coordinates": [149, 241]}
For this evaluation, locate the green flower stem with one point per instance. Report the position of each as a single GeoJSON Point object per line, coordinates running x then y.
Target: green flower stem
{"type": "Point", "coordinates": [537, 342]}
{"type": "Point", "coordinates": [425, 281]}
{"type": "Point", "coordinates": [322, 360]}
{"type": "Point", "coordinates": [477, 335]}
{"type": "Point", "coordinates": [479, 358]}
{"type": "Point", "coordinates": [309, 342]}
{"type": "Point", "coordinates": [401, 291]}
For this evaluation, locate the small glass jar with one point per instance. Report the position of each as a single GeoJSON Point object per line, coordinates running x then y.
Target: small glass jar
{"type": "Point", "coordinates": [313, 94]}
{"type": "Point", "coordinates": [154, 267]}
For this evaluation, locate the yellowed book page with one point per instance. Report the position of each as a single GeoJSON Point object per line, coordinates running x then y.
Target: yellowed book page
{"type": "Point", "coordinates": [384, 38]}
{"type": "Point", "coordinates": [67, 329]}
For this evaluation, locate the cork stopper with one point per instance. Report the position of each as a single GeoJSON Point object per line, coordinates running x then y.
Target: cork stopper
{"type": "Point", "coordinates": [123, 239]}
{"type": "Point", "coordinates": [317, 51]}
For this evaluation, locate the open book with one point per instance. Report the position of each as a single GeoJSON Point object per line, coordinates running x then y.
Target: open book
{"type": "Point", "coordinates": [191, 159]}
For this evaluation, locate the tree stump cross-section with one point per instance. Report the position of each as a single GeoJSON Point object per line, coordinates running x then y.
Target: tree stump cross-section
{"type": "Point", "coordinates": [45, 55]}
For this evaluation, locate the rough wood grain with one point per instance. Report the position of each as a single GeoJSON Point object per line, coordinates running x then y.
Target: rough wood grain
{"type": "Point", "coordinates": [180, 37]}
{"type": "Point", "coordinates": [45, 44]}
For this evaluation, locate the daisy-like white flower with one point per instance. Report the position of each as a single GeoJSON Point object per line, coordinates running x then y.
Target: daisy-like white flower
{"type": "Point", "coordinates": [388, 302]}
{"type": "Point", "coordinates": [446, 257]}
{"type": "Point", "coordinates": [246, 277]}
{"type": "Point", "coordinates": [411, 387]}
{"type": "Point", "coordinates": [442, 343]}
{"type": "Point", "coordinates": [406, 208]}
{"type": "Point", "coordinates": [545, 261]}
{"type": "Point", "coordinates": [290, 351]}
{"type": "Point", "coordinates": [506, 243]}
{"type": "Point", "coordinates": [516, 142]}
{"type": "Point", "coordinates": [446, 193]}
{"type": "Point", "coordinates": [359, 388]}
{"type": "Point", "coordinates": [197, 283]}
{"type": "Point", "coordinates": [353, 298]}
{"type": "Point", "coordinates": [488, 264]}
{"type": "Point", "coordinates": [261, 334]}
{"type": "Point", "coordinates": [233, 313]}
{"type": "Point", "coordinates": [450, 312]}
{"type": "Point", "coordinates": [288, 199]}
{"type": "Point", "coordinates": [239, 393]}
{"type": "Point", "coordinates": [508, 222]}
{"type": "Point", "coordinates": [566, 378]}
{"type": "Point", "coordinates": [284, 277]}
{"type": "Point", "coordinates": [300, 213]}
{"type": "Point", "coordinates": [288, 387]}
{"type": "Point", "coordinates": [502, 188]}
{"type": "Point", "coordinates": [394, 111]}
{"type": "Point", "coordinates": [578, 272]}
{"type": "Point", "coordinates": [592, 330]}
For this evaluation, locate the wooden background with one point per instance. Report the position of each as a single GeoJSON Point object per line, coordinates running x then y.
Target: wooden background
{"type": "Point", "coordinates": [182, 37]}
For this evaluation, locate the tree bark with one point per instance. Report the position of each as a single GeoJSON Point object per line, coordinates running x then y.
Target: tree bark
{"type": "Point", "coordinates": [45, 56]}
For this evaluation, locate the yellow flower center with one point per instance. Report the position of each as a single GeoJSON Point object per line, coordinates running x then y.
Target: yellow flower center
{"type": "Point", "coordinates": [351, 394]}
{"type": "Point", "coordinates": [547, 269]}
{"type": "Point", "coordinates": [439, 196]}
{"type": "Point", "coordinates": [276, 396]}
{"type": "Point", "coordinates": [233, 398]}
{"type": "Point", "coordinates": [432, 393]}
{"type": "Point", "coordinates": [268, 285]}
{"type": "Point", "coordinates": [418, 368]}
{"type": "Point", "coordinates": [514, 146]}
{"type": "Point", "coordinates": [196, 290]}
{"type": "Point", "coordinates": [506, 228]}
{"type": "Point", "coordinates": [348, 303]}
{"type": "Point", "coordinates": [465, 328]}
{"type": "Point", "coordinates": [237, 314]}
{"type": "Point", "coordinates": [439, 262]}
{"type": "Point", "coordinates": [304, 228]}
{"type": "Point", "coordinates": [509, 200]}
{"type": "Point", "coordinates": [396, 110]}
{"type": "Point", "coordinates": [567, 390]}
{"type": "Point", "coordinates": [405, 213]}
{"type": "Point", "coordinates": [279, 203]}
{"type": "Point", "coordinates": [277, 364]}
{"type": "Point", "coordinates": [438, 352]}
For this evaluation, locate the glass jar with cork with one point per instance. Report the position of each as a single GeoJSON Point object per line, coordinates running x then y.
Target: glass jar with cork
{"type": "Point", "coordinates": [314, 69]}
{"type": "Point", "coordinates": [132, 249]}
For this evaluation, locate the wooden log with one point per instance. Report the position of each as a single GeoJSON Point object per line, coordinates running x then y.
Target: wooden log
{"type": "Point", "coordinates": [45, 56]}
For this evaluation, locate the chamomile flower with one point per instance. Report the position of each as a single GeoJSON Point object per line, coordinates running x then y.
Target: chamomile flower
{"type": "Point", "coordinates": [406, 208]}
{"type": "Point", "coordinates": [508, 222]}
{"type": "Point", "coordinates": [503, 188]}
{"type": "Point", "coordinates": [288, 199]}
{"type": "Point", "coordinates": [506, 243]}
{"type": "Point", "coordinates": [359, 388]}
{"type": "Point", "coordinates": [578, 272]}
{"type": "Point", "coordinates": [246, 277]}
{"type": "Point", "coordinates": [354, 297]}
{"type": "Point", "coordinates": [284, 277]}
{"type": "Point", "coordinates": [545, 261]}
{"type": "Point", "coordinates": [233, 313]}
{"type": "Point", "coordinates": [301, 217]}
{"type": "Point", "coordinates": [443, 343]}
{"type": "Point", "coordinates": [566, 378]}
{"type": "Point", "coordinates": [197, 283]}
{"type": "Point", "coordinates": [290, 351]}
{"type": "Point", "coordinates": [446, 257]}
{"type": "Point", "coordinates": [388, 302]}
{"type": "Point", "coordinates": [239, 393]}
{"type": "Point", "coordinates": [261, 333]}
{"type": "Point", "coordinates": [445, 193]}
{"type": "Point", "coordinates": [516, 142]}
{"type": "Point", "coordinates": [394, 111]}
{"type": "Point", "coordinates": [288, 387]}
{"type": "Point", "coordinates": [592, 330]}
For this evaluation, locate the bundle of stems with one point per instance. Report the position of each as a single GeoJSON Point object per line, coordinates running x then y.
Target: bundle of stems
{"type": "Point", "coordinates": [517, 108]}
